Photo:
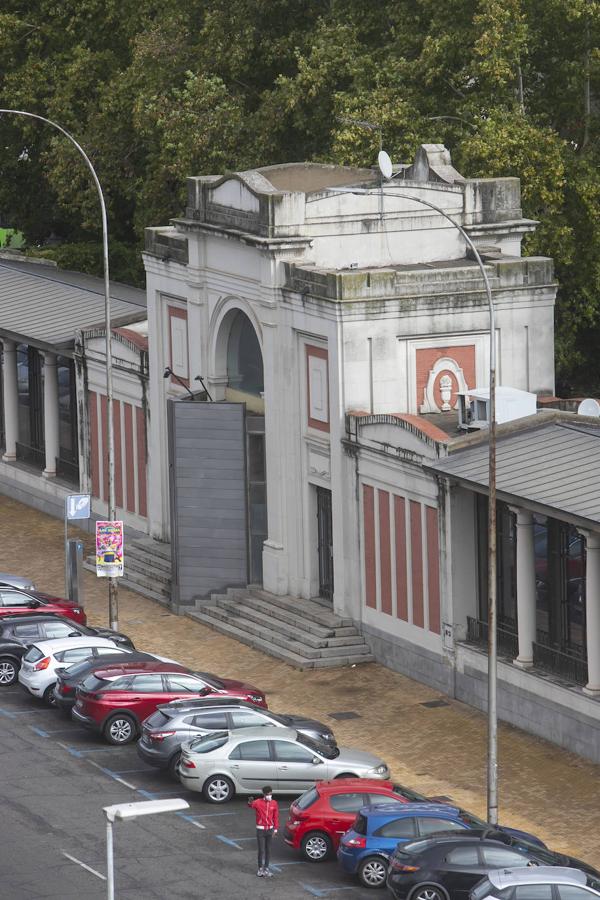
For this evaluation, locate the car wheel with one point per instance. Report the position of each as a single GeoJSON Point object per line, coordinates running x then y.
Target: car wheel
{"type": "Point", "coordinates": [173, 766]}
{"type": "Point", "coordinates": [316, 846]}
{"type": "Point", "coordinates": [428, 892]}
{"type": "Point", "coordinates": [49, 695]}
{"type": "Point", "coordinates": [345, 775]}
{"type": "Point", "coordinates": [372, 872]}
{"type": "Point", "coordinates": [218, 789]}
{"type": "Point", "coordinates": [120, 729]}
{"type": "Point", "coordinates": [9, 671]}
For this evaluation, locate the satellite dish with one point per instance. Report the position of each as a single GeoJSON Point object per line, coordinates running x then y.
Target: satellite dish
{"type": "Point", "coordinates": [589, 407]}
{"type": "Point", "coordinates": [385, 164]}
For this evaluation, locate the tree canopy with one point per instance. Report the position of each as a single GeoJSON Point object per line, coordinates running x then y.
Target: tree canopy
{"type": "Point", "coordinates": [158, 91]}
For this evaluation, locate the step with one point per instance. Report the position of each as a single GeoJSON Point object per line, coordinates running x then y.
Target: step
{"type": "Point", "coordinates": [154, 548]}
{"type": "Point", "coordinates": [262, 601]}
{"type": "Point", "coordinates": [246, 610]}
{"type": "Point", "coordinates": [147, 582]}
{"type": "Point", "coordinates": [160, 575]}
{"type": "Point", "coordinates": [138, 588]}
{"type": "Point", "coordinates": [302, 607]}
{"type": "Point", "coordinates": [291, 658]}
{"type": "Point", "coordinates": [144, 557]}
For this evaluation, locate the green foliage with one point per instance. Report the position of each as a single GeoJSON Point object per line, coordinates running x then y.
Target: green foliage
{"type": "Point", "coordinates": [158, 91]}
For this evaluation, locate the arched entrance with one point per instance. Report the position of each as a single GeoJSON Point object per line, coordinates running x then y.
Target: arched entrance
{"type": "Point", "coordinates": [238, 353]}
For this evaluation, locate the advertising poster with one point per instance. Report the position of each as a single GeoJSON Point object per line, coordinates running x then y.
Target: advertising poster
{"type": "Point", "coordinates": [109, 549]}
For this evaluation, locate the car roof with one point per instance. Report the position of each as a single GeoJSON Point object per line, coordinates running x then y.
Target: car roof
{"type": "Point", "coordinates": [341, 785]}
{"type": "Point", "coordinates": [34, 617]}
{"type": "Point", "coordinates": [265, 732]}
{"type": "Point", "coordinates": [134, 668]}
{"type": "Point", "coordinates": [119, 654]}
{"type": "Point", "coordinates": [54, 645]}
{"type": "Point", "coordinates": [410, 809]}
{"type": "Point", "coordinates": [209, 703]}
{"type": "Point", "coordinates": [502, 878]}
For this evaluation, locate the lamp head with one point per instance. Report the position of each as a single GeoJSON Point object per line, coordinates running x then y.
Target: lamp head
{"type": "Point", "coordinates": [168, 372]}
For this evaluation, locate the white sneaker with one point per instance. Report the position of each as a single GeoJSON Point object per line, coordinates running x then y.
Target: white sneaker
{"type": "Point", "coordinates": [260, 873]}
{"type": "Point", "coordinates": [267, 873]}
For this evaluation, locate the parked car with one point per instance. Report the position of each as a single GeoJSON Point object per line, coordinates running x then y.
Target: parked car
{"type": "Point", "coordinates": [18, 632]}
{"type": "Point", "coordinates": [542, 883]}
{"type": "Point", "coordinates": [68, 679]}
{"type": "Point", "coordinates": [116, 699]}
{"type": "Point", "coordinates": [173, 723]}
{"type": "Point", "coordinates": [221, 764]}
{"type": "Point", "coordinates": [365, 848]}
{"type": "Point", "coordinates": [18, 581]}
{"type": "Point", "coordinates": [319, 818]}
{"type": "Point", "coordinates": [38, 666]}
{"type": "Point", "coordinates": [438, 868]}
{"type": "Point", "coordinates": [15, 601]}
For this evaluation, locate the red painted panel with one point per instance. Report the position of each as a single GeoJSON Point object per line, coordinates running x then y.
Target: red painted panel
{"type": "Point", "coordinates": [322, 353]}
{"type": "Point", "coordinates": [401, 573]}
{"type": "Point", "coordinates": [141, 455]}
{"type": "Point", "coordinates": [369, 532]}
{"type": "Point", "coordinates": [129, 461]}
{"type": "Point", "coordinates": [175, 312]}
{"type": "Point", "coordinates": [385, 556]}
{"type": "Point", "coordinates": [104, 458]}
{"type": "Point", "coordinates": [433, 568]}
{"type": "Point", "coordinates": [94, 450]}
{"type": "Point", "coordinates": [416, 559]}
{"type": "Point", "coordinates": [118, 460]}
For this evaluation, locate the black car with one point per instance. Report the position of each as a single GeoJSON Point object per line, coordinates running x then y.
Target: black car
{"type": "Point", "coordinates": [449, 866]}
{"type": "Point", "coordinates": [18, 632]}
{"type": "Point", "coordinates": [68, 679]}
{"type": "Point", "coordinates": [165, 730]}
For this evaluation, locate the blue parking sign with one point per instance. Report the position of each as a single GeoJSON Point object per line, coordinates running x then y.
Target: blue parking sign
{"type": "Point", "coordinates": [77, 506]}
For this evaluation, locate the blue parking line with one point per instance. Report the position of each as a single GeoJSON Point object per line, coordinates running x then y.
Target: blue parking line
{"type": "Point", "coordinates": [323, 891]}
{"type": "Point", "coordinates": [5, 712]}
{"type": "Point", "coordinates": [229, 841]}
{"type": "Point", "coordinates": [152, 794]}
{"type": "Point", "coordinates": [39, 731]}
{"type": "Point", "coordinates": [214, 815]}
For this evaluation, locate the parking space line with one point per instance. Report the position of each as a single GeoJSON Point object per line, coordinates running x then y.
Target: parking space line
{"type": "Point", "coordinates": [111, 774]}
{"type": "Point", "coordinates": [191, 820]}
{"type": "Point", "coordinates": [39, 731]}
{"type": "Point", "coordinates": [5, 712]}
{"type": "Point", "coordinates": [152, 794]}
{"type": "Point", "coordinates": [214, 815]}
{"type": "Point", "coordinates": [130, 771]}
{"type": "Point", "coordinates": [84, 865]}
{"type": "Point", "coordinates": [229, 841]}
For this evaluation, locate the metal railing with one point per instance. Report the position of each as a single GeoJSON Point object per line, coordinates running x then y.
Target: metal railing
{"type": "Point", "coordinates": [571, 666]}
{"type": "Point", "coordinates": [508, 641]}
{"type": "Point", "coordinates": [31, 455]}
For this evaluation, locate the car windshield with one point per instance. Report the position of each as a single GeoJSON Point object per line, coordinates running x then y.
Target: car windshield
{"type": "Point", "coordinates": [315, 747]}
{"type": "Point", "coordinates": [209, 742]}
{"type": "Point", "coordinates": [210, 679]}
{"type": "Point", "coordinates": [33, 654]}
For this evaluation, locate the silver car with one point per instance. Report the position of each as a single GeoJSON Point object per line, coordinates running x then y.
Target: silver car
{"type": "Point", "coordinates": [537, 884]}
{"type": "Point", "coordinates": [17, 581]}
{"type": "Point", "coordinates": [224, 763]}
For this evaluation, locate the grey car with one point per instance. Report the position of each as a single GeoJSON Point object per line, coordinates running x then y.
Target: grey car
{"type": "Point", "coordinates": [182, 720]}
{"type": "Point", "coordinates": [17, 581]}
{"type": "Point", "coordinates": [223, 763]}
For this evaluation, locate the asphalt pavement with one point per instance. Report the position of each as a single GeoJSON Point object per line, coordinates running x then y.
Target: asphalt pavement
{"type": "Point", "coordinates": [57, 777]}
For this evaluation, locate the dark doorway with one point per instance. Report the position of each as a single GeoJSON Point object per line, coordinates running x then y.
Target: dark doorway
{"type": "Point", "coordinates": [325, 543]}
{"type": "Point", "coordinates": [257, 494]}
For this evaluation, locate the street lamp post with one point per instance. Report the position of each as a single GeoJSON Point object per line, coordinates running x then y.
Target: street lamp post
{"type": "Point", "coordinates": [492, 744]}
{"type": "Point", "coordinates": [113, 602]}
{"type": "Point", "coordinates": [125, 812]}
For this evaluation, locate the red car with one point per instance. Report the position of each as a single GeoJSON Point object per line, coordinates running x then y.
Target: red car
{"type": "Point", "coordinates": [17, 600]}
{"type": "Point", "coordinates": [319, 818]}
{"type": "Point", "coordinates": [116, 699]}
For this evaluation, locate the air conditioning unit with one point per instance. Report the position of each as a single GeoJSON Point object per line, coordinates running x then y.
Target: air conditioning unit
{"type": "Point", "coordinates": [511, 403]}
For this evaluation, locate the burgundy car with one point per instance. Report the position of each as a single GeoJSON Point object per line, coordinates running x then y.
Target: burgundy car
{"type": "Point", "coordinates": [116, 699]}
{"type": "Point", "coordinates": [14, 601]}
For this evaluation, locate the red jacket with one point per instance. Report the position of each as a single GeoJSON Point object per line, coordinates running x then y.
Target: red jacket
{"type": "Point", "coordinates": [267, 813]}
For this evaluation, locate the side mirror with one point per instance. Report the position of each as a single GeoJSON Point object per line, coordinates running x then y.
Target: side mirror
{"type": "Point", "coordinates": [316, 760]}
{"type": "Point", "coordinates": [204, 692]}
{"type": "Point", "coordinates": [73, 634]}
{"type": "Point", "coordinates": [33, 604]}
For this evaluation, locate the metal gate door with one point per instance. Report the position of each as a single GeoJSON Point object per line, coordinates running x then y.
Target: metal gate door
{"type": "Point", "coordinates": [325, 546]}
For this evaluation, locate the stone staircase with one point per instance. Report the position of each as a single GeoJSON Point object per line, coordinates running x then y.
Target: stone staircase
{"type": "Point", "coordinates": [147, 569]}
{"type": "Point", "coordinates": [303, 633]}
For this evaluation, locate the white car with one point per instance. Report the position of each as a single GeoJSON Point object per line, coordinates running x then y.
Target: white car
{"type": "Point", "coordinates": [39, 664]}
{"type": "Point", "coordinates": [539, 883]}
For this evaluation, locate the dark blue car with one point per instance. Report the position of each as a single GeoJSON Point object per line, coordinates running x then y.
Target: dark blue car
{"type": "Point", "coordinates": [364, 849]}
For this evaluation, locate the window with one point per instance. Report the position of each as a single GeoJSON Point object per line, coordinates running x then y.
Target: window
{"type": "Point", "coordinates": [286, 751]}
{"type": "Point", "coordinates": [107, 651]}
{"type": "Point", "coordinates": [246, 718]}
{"type": "Point", "coordinates": [308, 799]}
{"type": "Point", "coordinates": [252, 750]}
{"type": "Point", "coordinates": [498, 857]}
{"type": "Point", "coordinates": [463, 856]}
{"type": "Point", "coordinates": [399, 828]}
{"type": "Point", "coordinates": [26, 631]}
{"type": "Point", "coordinates": [212, 721]}
{"type": "Point", "coordinates": [33, 654]}
{"type": "Point", "coordinates": [147, 684]}
{"type": "Point", "coordinates": [209, 742]}
{"type": "Point", "coordinates": [350, 802]}
{"type": "Point", "coordinates": [14, 598]}
{"type": "Point", "coordinates": [381, 798]}
{"type": "Point", "coordinates": [70, 656]}
{"type": "Point", "coordinates": [118, 684]}
{"type": "Point", "coordinates": [573, 892]}
{"type": "Point", "coordinates": [53, 630]}
{"type": "Point", "coordinates": [430, 825]}
{"type": "Point", "coordinates": [534, 892]}
{"type": "Point", "coordinates": [185, 683]}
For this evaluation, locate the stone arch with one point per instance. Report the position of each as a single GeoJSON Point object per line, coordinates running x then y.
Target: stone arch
{"type": "Point", "coordinates": [236, 354]}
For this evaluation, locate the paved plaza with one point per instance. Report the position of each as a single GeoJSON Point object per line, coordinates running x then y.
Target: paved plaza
{"type": "Point", "coordinates": [436, 750]}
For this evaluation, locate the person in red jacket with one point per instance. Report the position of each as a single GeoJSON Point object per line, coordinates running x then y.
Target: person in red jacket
{"type": "Point", "coordinates": [267, 823]}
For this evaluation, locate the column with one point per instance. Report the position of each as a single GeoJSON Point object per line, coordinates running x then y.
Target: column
{"type": "Point", "coordinates": [50, 414]}
{"type": "Point", "coordinates": [526, 595]}
{"type": "Point", "coordinates": [11, 402]}
{"type": "Point", "coordinates": [592, 610]}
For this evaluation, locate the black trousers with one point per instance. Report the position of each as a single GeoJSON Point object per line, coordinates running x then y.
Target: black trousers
{"type": "Point", "coordinates": [264, 836]}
